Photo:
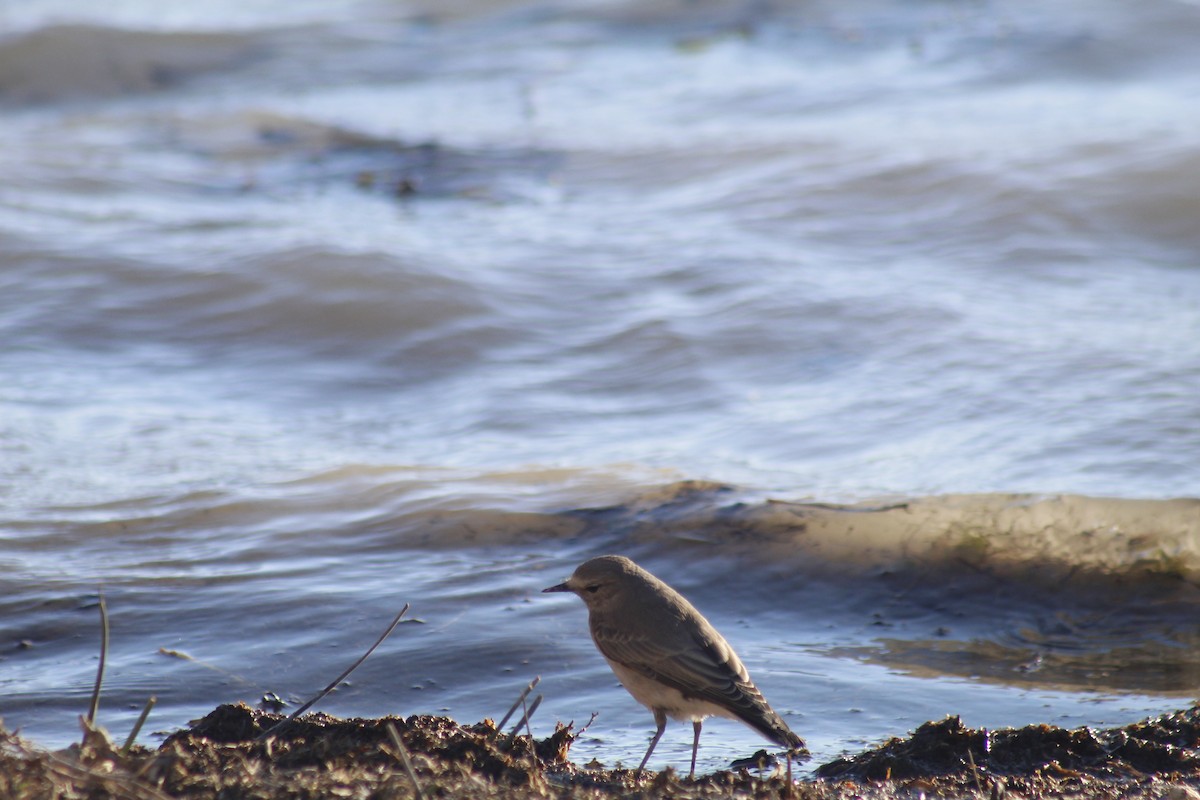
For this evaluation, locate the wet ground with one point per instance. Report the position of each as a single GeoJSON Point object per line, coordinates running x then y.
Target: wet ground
{"type": "Point", "coordinates": [239, 752]}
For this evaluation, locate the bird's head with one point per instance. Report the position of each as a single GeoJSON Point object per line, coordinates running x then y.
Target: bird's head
{"type": "Point", "coordinates": [600, 581]}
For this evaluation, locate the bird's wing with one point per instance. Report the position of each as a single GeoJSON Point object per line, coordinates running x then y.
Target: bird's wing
{"type": "Point", "coordinates": [700, 668]}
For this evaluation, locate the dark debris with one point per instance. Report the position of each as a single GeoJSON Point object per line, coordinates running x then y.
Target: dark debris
{"type": "Point", "coordinates": [1162, 746]}
{"type": "Point", "coordinates": [225, 757]}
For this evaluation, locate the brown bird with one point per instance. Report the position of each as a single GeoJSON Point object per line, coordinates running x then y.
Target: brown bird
{"type": "Point", "coordinates": [667, 655]}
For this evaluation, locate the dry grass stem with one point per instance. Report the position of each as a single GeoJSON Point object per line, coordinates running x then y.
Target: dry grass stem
{"type": "Point", "coordinates": [95, 704]}
{"type": "Point", "coordinates": [333, 684]}
{"type": "Point", "coordinates": [528, 711]}
{"type": "Point", "coordinates": [974, 772]}
{"type": "Point", "coordinates": [402, 753]}
{"type": "Point", "coordinates": [521, 699]}
{"type": "Point", "coordinates": [105, 778]}
{"type": "Point", "coordinates": [137, 726]}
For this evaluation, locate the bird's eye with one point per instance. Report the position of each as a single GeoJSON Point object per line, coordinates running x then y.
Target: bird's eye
{"type": "Point", "coordinates": [595, 587]}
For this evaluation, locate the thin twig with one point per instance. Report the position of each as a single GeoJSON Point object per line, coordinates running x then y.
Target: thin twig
{"type": "Point", "coordinates": [402, 752]}
{"type": "Point", "coordinates": [579, 732]}
{"type": "Point", "coordinates": [339, 678]}
{"type": "Point", "coordinates": [521, 699]}
{"type": "Point", "coordinates": [95, 706]}
{"type": "Point", "coordinates": [137, 726]}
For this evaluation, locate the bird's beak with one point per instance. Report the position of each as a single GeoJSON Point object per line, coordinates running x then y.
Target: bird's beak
{"type": "Point", "coordinates": [561, 587]}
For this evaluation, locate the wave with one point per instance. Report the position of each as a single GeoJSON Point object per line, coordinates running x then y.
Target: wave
{"type": "Point", "coordinates": [1045, 539]}
{"type": "Point", "coordinates": [1064, 543]}
{"type": "Point", "coordinates": [71, 62]}
{"type": "Point", "coordinates": [372, 318]}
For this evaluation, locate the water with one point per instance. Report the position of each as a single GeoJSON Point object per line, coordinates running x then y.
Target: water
{"type": "Point", "coordinates": [311, 310]}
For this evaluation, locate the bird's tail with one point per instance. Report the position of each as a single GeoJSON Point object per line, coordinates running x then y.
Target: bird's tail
{"type": "Point", "coordinates": [773, 727]}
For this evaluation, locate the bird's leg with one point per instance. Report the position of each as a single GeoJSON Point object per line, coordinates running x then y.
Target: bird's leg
{"type": "Point", "coordinates": [695, 745]}
{"type": "Point", "coordinates": [660, 719]}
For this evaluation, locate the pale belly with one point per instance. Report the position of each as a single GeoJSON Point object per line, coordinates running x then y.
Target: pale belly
{"type": "Point", "coordinates": [670, 701]}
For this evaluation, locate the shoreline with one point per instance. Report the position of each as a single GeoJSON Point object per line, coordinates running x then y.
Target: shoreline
{"type": "Point", "coordinates": [225, 755]}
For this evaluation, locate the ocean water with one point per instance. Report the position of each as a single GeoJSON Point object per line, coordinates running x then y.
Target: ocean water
{"type": "Point", "coordinates": [873, 327]}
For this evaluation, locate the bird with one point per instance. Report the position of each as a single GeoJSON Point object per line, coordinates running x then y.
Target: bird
{"type": "Point", "coordinates": [667, 655]}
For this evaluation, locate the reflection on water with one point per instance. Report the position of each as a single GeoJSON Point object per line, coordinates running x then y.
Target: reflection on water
{"type": "Point", "coordinates": [1168, 668]}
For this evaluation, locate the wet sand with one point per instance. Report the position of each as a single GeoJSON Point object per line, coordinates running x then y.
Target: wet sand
{"type": "Point", "coordinates": [223, 756]}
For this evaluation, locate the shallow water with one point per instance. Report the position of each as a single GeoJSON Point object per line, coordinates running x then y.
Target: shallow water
{"type": "Point", "coordinates": [314, 309]}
